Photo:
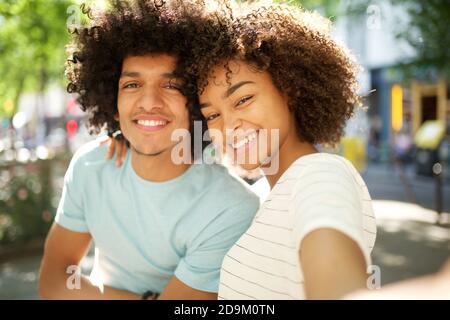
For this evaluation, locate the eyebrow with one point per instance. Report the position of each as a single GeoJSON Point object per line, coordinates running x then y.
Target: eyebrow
{"type": "Point", "coordinates": [234, 87]}
{"type": "Point", "coordinates": [229, 92]}
{"type": "Point", "coordinates": [131, 74]}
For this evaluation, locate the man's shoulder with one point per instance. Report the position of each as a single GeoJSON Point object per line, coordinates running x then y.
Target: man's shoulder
{"type": "Point", "coordinates": [229, 190]}
{"type": "Point", "coordinates": [226, 208]}
{"type": "Point", "coordinates": [221, 178]}
{"type": "Point", "coordinates": [89, 155]}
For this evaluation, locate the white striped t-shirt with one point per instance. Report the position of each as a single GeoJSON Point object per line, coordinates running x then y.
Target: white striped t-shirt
{"type": "Point", "coordinates": [317, 191]}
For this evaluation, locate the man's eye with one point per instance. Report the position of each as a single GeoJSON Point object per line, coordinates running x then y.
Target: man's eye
{"type": "Point", "coordinates": [131, 86]}
{"type": "Point", "coordinates": [243, 100]}
{"type": "Point", "coordinates": [211, 117]}
{"type": "Point", "coordinates": [172, 86]}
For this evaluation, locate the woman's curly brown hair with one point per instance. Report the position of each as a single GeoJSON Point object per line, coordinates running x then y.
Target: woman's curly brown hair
{"type": "Point", "coordinates": [132, 28]}
{"type": "Point", "coordinates": [296, 48]}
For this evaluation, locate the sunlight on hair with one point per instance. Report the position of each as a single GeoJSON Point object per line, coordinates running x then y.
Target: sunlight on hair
{"type": "Point", "coordinates": [96, 4]}
{"type": "Point", "coordinates": [311, 19]}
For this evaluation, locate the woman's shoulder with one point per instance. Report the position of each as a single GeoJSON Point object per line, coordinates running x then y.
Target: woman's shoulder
{"type": "Point", "coordinates": [321, 163]}
{"type": "Point", "coordinates": [323, 170]}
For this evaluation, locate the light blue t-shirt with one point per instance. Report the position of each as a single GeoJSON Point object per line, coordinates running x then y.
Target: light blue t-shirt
{"type": "Point", "coordinates": [146, 232]}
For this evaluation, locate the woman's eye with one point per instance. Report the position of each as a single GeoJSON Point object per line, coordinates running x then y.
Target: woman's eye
{"type": "Point", "coordinates": [211, 117]}
{"type": "Point", "coordinates": [243, 100]}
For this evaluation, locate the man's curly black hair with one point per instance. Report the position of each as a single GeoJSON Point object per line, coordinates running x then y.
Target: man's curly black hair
{"type": "Point", "coordinates": [296, 48]}
{"type": "Point", "coordinates": [133, 28]}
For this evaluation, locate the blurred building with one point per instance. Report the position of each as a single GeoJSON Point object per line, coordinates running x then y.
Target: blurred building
{"type": "Point", "coordinates": [393, 109]}
{"type": "Point", "coordinates": [53, 119]}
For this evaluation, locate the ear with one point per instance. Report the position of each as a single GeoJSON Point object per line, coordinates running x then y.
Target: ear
{"type": "Point", "coordinates": [116, 117]}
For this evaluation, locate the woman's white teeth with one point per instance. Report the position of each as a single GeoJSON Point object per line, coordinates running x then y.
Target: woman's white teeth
{"type": "Point", "coordinates": [245, 141]}
{"type": "Point", "coordinates": [151, 123]}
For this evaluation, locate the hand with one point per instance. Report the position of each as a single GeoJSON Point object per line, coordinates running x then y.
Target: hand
{"type": "Point", "coordinates": [115, 147]}
{"type": "Point", "coordinates": [435, 286]}
{"type": "Point", "coordinates": [443, 280]}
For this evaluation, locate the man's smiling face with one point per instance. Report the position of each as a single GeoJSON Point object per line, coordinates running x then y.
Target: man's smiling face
{"type": "Point", "coordinates": [150, 103]}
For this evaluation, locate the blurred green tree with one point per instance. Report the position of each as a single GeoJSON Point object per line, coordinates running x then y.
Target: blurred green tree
{"type": "Point", "coordinates": [428, 32]}
{"type": "Point", "coordinates": [329, 8]}
{"type": "Point", "coordinates": [425, 28]}
{"type": "Point", "coordinates": [33, 35]}
{"type": "Point", "coordinates": [32, 38]}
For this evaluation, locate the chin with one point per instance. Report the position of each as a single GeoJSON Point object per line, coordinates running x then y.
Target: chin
{"type": "Point", "coordinates": [250, 167]}
{"type": "Point", "coordinates": [147, 150]}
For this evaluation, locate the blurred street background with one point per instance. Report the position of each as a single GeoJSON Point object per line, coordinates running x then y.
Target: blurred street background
{"type": "Point", "coordinates": [400, 142]}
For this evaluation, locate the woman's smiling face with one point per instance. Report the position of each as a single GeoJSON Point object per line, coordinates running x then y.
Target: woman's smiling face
{"type": "Point", "coordinates": [251, 114]}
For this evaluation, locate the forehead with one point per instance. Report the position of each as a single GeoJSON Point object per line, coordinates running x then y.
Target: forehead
{"type": "Point", "coordinates": [233, 70]}
{"type": "Point", "coordinates": [226, 74]}
{"type": "Point", "coordinates": [150, 62]}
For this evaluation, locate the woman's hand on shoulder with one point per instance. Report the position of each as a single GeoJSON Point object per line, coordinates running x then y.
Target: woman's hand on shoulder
{"type": "Point", "coordinates": [116, 148]}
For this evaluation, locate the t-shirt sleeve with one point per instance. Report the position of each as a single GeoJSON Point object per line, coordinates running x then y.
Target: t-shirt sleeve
{"type": "Point", "coordinates": [70, 213]}
{"type": "Point", "coordinates": [327, 197]}
{"type": "Point", "coordinates": [200, 267]}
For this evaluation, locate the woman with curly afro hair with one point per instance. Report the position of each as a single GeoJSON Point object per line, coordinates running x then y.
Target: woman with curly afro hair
{"type": "Point", "coordinates": [270, 93]}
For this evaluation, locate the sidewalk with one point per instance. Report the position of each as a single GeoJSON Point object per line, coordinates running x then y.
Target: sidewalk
{"type": "Point", "coordinates": [409, 243]}
{"type": "Point", "coordinates": [388, 182]}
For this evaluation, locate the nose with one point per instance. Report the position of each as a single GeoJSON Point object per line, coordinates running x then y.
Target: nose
{"type": "Point", "coordinates": [150, 99]}
{"type": "Point", "coordinates": [231, 124]}
{"type": "Point", "coordinates": [231, 121]}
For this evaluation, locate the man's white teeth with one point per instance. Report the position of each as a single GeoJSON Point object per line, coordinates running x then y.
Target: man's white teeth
{"type": "Point", "coordinates": [151, 123]}
{"type": "Point", "coordinates": [245, 141]}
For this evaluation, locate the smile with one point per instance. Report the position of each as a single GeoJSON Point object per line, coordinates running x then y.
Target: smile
{"type": "Point", "coordinates": [150, 125]}
{"type": "Point", "coordinates": [245, 141]}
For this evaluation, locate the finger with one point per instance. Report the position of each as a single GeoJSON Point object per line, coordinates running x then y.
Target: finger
{"type": "Point", "coordinates": [446, 268]}
{"type": "Point", "coordinates": [119, 147]}
{"type": "Point", "coordinates": [111, 149]}
{"type": "Point", "coordinates": [104, 140]}
{"type": "Point", "coordinates": [124, 153]}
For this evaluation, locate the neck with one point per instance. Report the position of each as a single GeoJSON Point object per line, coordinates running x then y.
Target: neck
{"type": "Point", "coordinates": [291, 150]}
{"type": "Point", "coordinates": [156, 168]}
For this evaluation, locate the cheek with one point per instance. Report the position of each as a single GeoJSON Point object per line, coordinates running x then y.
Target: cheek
{"type": "Point", "coordinates": [279, 130]}
{"type": "Point", "coordinates": [121, 111]}
{"type": "Point", "coordinates": [279, 116]}
{"type": "Point", "coordinates": [182, 113]}
{"type": "Point", "coordinates": [123, 105]}
{"type": "Point", "coordinates": [216, 135]}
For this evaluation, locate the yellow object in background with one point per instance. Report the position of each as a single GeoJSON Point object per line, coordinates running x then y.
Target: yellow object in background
{"type": "Point", "coordinates": [430, 134]}
{"type": "Point", "coordinates": [354, 150]}
{"type": "Point", "coordinates": [397, 107]}
{"type": "Point", "coordinates": [8, 107]}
